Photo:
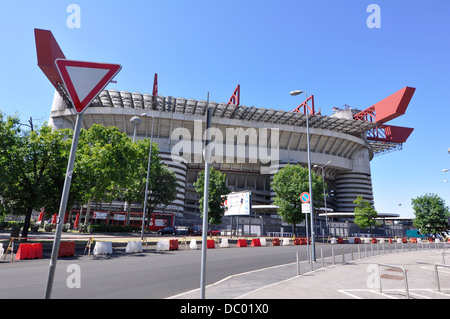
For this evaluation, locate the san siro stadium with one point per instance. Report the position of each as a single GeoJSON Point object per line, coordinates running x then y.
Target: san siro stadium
{"type": "Point", "coordinates": [250, 144]}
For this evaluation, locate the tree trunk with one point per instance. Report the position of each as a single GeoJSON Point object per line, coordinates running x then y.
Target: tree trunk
{"type": "Point", "coordinates": [26, 226]}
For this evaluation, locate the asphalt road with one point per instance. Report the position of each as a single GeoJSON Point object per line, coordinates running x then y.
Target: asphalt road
{"type": "Point", "coordinates": [149, 275]}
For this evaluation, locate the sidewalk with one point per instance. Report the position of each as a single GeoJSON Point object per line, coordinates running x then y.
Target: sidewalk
{"type": "Point", "coordinates": [356, 279]}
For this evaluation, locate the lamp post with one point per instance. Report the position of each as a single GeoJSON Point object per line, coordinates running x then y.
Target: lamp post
{"type": "Point", "coordinates": [148, 174]}
{"type": "Point", "coordinates": [313, 242]}
{"type": "Point", "coordinates": [136, 121]}
{"type": "Point", "coordinates": [324, 197]}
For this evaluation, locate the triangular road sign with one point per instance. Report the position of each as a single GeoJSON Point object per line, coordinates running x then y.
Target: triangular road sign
{"type": "Point", "coordinates": [85, 80]}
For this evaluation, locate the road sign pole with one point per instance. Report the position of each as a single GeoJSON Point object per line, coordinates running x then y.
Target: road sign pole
{"type": "Point", "coordinates": [205, 202]}
{"type": "Point", "coordinates": [63, 206]}
{"type": "Point", "coordinates": [313, 241]}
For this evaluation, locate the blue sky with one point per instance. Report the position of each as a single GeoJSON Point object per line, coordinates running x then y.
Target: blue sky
{"type": "Point", "coordinates": [268, 47]}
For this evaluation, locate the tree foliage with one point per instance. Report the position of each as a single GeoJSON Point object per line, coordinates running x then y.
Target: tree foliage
{"type": "Point", "coordinates": [288, 184]}
{"type": "Point", "coordinates": [108, 166]}
{"type": "Point", "coordinates": [32, 166]}
{"type": "Point", "coordinates": [365, 214]}
{"type": "Point", "coordinates": [217, 188]}
{"type": "Point", "coordinates": [431, 214]}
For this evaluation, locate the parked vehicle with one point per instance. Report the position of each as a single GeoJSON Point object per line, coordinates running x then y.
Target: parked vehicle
{"type": "Point", "coordinates": [413, 233]}
{"type": "Point", "coordinates": [167, 230]}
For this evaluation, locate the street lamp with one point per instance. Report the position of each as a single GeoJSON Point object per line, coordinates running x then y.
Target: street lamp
{"type": "Point", "coordinates": [135, 121]}
{"type": "Point", "coordinates": [324, 197]}
{"type": "Point", "coordinates": [148, 173]}
{"type": "Point", "coordinates": [313, 244]}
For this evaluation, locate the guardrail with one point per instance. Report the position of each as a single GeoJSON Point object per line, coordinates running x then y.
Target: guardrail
{"type": "Point", "coordinates": [437, 275]}
{"type": "Point", "coordinates": [393, 277]}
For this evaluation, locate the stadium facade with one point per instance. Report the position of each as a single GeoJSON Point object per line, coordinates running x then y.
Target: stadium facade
{"type": "Point", "coordinates": [250, 145]}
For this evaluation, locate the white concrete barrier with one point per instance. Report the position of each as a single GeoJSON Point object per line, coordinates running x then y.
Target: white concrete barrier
{"type": "Point", "coordinates": [286, 242]}
{"type": "Point", "coordinates": [263, 241]}
{"type": "Point", "coordinates": [333, 240]}
{"type": "Point", "coordinates": [103, 248]}
{"type": "Point", "coordinates": [224, 243]}
{"type": "Point", "coordinates": [134, 247]}
{"type": "Point", "coordinates": [193, 244]}
{"type": "Point", "coordinates": [163, 244]}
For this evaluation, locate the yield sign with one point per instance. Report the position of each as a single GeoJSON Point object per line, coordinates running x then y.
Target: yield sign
{"type": "Point", "coordinates": [85, 80]}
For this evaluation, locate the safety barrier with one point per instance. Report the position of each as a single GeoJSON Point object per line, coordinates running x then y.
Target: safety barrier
{"type": "Point", "coordinates": [210, 243]}
{"type": "Point", "coordinates": [134, 247]}
{"type": "Point", "coordinates": [103, 248]}
{"type": "Point", "coordinates": [242, 243]}
{"type": "Point", "coordinates": [29, 251]}
{"type": "Point", "coordinates": [66, 249]}
{"type": "Point", "coordinates": [173, 244]}
{"type": "Point", "coordinates": [193, 244]}
{"type": "Point", "coordinates": [1, 251]}
{"type": "Point", "coordinates": [437, 275]}
{"type": "Point", "coordinates": [276, 242]}
{"type": "Point", "coordinates": [286, 242]}
{"type": "Point", "coordinates": [393, 277]}
{"type": "Point", "coordinates": [256, 242]}
{"type": "Point", "coordinates": [263, 241]}
{"type": "Point", "coordinates": [224, 243]}
{"type": "Point", "coordinates": [300, 241]}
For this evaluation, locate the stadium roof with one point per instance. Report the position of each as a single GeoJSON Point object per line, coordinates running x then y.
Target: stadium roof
{"type": "Point", "coordinates": [124, 99]}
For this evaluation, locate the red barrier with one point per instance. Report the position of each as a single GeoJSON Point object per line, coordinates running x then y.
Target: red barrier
{"type": "Point", "coordinates": [29, 251]}
{"type": "Point", "coordinates": [276, 242]}
{"type": "Point", "coordinates": [340, 240]}
{"type": "Point", "coordinates": [297, 241]}
{"type": "Point", "coordinates": [210, 243]}
{"type": "Point", "coordinates": [357, 240]}
{"type": "Point", "coordinates": [66, 249]}
{"type": "Point", "coordinates": [390, 240]}
{"type": "Point", "coordinates": [256, 242]}
{"type": "Point", "coordinates": [404, 240]}
{"type": "Point", "coordinates": [414, 240]}
{"type": "Point", "coordinates": [374, 241]}
{"type": "Point", "coordinates": [242, 243]}
{"type": "Point", "coordinates": [173, 244]}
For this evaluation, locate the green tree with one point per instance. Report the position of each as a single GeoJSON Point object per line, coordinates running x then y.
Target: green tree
{"type": "Point", "coordinates": [101, 163]}
{"type": "Point", "coordinates": [365, 214]}
{"type": "Point", "coordinates": [162, 183]}
{"type": "Point", "coordinates": [431, 214]}
{"type": "Point", "coordinates": [217, 189]}
{"type": "Point", "coordinates": [288, 184]}
{"type": "Point", "coordinates": [32, 167]}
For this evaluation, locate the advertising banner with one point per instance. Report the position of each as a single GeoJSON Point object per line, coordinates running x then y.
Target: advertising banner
{"type": "Point", "coordinates": [238, 204]}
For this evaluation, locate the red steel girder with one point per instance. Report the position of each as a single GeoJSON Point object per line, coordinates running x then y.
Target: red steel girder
{"type": "Point", "coordinates": [236, 97]}
{"type": "Point", "coordinates": [390, 134]}
{"type": "Point", "coordinates": [155, 85]}
{"type": "Point", "coordinates": [305, 106]}
{"type": "Point", "coordinates": [389, 108]}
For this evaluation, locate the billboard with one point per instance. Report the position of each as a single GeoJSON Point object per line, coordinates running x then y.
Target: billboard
{"type": "Point", "coordinates": [238, 204]}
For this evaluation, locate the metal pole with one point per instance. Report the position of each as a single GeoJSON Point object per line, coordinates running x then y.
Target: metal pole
{"type": "Point", "coordinates": [205, 202]}
{"type": "Point", "coordinates": [63, 206]}
{"type": "Point", "coordinates": [146, 183]}
{"type": "Point", "coordinates": [313, 241]}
